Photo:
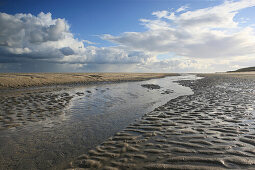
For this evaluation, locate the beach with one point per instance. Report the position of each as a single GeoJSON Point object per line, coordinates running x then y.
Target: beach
{"type": "Point", "coordinates": [127, 85]}
{"type": "Point", "coordinates": [211, 129]}
{"type": "Point", "coordinates": [43, 126]}
{"type": "Point", "coordinates": [205, 123]}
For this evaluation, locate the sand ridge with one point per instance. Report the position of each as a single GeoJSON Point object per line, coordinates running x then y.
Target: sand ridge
{"type": "Point", "coordinates": [20, 80]}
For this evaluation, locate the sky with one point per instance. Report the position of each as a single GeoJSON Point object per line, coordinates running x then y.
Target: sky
{"type": "Point", "coordinates": [126, 35]}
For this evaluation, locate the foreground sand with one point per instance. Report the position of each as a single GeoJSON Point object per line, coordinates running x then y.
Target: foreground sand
{"type": "Point", "coordinates": [212, 129]}
{"type": "Point", "coordinates": [19, 80]}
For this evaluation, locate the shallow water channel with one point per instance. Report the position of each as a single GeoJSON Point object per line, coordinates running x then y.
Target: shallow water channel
{"type": "Point", "coordinates": [93, 115]}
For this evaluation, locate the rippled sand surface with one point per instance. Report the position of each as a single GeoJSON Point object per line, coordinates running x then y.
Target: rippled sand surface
{"type": "Point", "coordinates": [45, 128]}
{"type": "Point", "coordinates": [19, 109]}
{"type": "Point", "coordinates": [211, 129]}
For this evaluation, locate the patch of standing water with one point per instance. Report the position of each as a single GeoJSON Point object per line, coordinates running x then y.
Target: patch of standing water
{"type": "Point", "coordinates": [95, 113]}
{"type": "Point", "coordinates": [105, 98]}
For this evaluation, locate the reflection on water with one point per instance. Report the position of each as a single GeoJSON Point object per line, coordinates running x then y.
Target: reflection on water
{"type": "Point", "coordinates": [95, 113]}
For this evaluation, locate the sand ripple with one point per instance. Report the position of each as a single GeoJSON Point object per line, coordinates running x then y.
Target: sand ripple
{"type": "Point", "coordinates": [212, 129]}
{"type": "Point", "coordinates": [18, 109]}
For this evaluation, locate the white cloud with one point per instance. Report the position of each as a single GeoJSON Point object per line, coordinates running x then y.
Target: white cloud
{"type": "Point", "coordinates": [221, 16]}
{"type": "Point", "coordinates": [160, 14]}
{"type": "Point", "coordinates": [202, 35]}
{"type": "Point", "coordinates": [164, 14]}
{"type": "Point", "coordinates": [107, 55]}
{"type": "Point", "coordinates": [182, 8]}
{"type": "Point", "coordinates": [29, 38]}
{"type": "Point", "coordinates": [25, 34]}
{"type": "Point", "coordinates": [89, 42]}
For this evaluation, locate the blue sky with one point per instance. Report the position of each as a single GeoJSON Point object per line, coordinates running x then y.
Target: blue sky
{"type": "Point", "coordinates": [89, 18]}
{"type": "Point", "coordinates": [127, 35]}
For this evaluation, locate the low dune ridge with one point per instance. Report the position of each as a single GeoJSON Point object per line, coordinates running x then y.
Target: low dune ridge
{"type": "Point", "coordinates": [243, 75]}
{"type": "Point", "coordinates": [247, 69]}
{"type": "Point", "coordinates": [20, 80]}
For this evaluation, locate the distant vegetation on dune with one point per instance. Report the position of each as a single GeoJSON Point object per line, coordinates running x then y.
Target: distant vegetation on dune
{"type": "Point", "coordinates": [244, 69]}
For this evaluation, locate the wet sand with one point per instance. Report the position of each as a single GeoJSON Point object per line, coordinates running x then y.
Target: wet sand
{"type": "Point", "coordinates": [45, 128]}
{"type": "Point", "coordinates": [21, 80]}
{"type": "Point", "coordinates": [212, 129]}
{"type": "Point", "coordinates": [20, 108]}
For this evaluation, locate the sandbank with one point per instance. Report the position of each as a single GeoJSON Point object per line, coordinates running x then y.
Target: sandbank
{"type": "Point", "coordinates": [21, 80]}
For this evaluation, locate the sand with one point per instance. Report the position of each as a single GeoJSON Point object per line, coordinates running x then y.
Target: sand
{"type": "Point", "coordinates": [20, 108]}
{"type": "Point", "coordinates": [212, 129]}
{"type": "Point", "coordinates": [20, 80]}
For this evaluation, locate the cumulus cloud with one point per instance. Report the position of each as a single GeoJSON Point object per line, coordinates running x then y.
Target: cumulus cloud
{"type": "Point", "coordinates": [26, 38]}
{"type": "Point", "coordinates": [25, 35]}
{"type": "Point", "coordinates": [67, 51]}
{"type": "Point", "coordinates": [107, 55]}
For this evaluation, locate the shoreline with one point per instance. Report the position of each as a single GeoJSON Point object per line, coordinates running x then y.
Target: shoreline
{"type": "Point", "coordinates": [10, 81]}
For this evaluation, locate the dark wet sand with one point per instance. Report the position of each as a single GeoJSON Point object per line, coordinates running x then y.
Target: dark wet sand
{"type": "Point", "coordinates": [212, 129]}
{"type": "Point", "coordinates": [21, 107]}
